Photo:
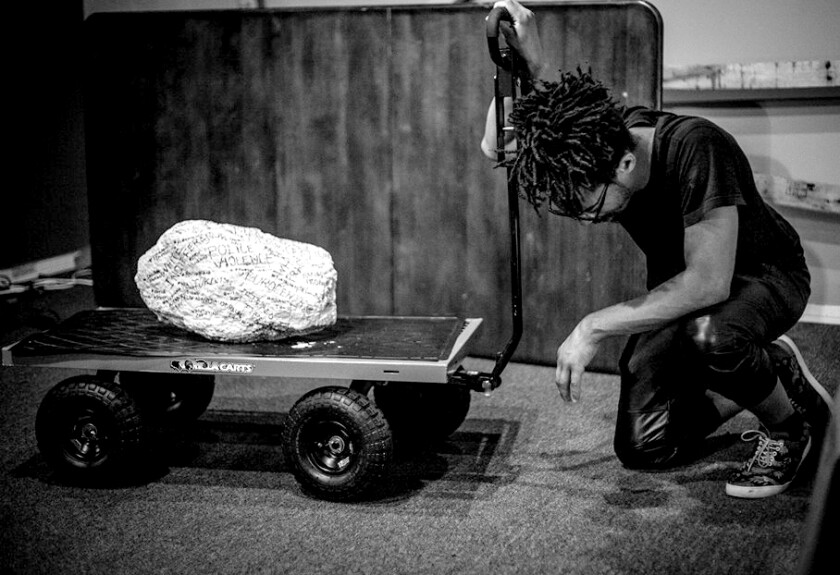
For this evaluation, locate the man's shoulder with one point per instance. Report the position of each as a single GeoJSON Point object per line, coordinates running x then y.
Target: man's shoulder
{"type": "Point", "coordinates": [641, 117]}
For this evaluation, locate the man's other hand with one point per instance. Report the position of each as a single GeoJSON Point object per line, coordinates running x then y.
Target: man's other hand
{"type": "Point", "coordinates": [573, 355]}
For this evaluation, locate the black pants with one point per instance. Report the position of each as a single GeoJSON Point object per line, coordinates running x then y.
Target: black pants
{"type": "Point", "coordinates": [663, 410]}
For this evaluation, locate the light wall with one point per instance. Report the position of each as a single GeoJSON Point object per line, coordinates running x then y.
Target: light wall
{"type": "Point", "coordinates": [797, 140]}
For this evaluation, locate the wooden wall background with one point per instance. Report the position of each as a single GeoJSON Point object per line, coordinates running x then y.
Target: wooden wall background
{"type": "Point", "coordinates": [356, 130]}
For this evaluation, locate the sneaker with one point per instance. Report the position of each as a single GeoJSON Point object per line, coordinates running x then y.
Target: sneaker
{"type": "Point", "coordinates": [772, 467]}
{"type": "Point", "coordinates": [806, 394]}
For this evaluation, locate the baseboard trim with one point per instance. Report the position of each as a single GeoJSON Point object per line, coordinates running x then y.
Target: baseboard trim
{"type": "Point", "coordinates": [825, 314]}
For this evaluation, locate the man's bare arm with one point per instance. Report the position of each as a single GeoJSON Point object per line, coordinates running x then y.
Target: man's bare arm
{"type": "Point", "coordinates": [709, 249]}
{"type": "Point", "coordinates": [524, 38]}
{"type": "Point", "coordinates": [488, 143]}
{"type": "Point", "coordinates": [710, 262]}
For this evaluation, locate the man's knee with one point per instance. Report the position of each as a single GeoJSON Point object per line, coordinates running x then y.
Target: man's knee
{"type": "Point", "coordinates": [647, 457]}
{"type": "Point", "coordinates": [644, 440]}
{"type": "Point", "coordinates": [702, 334]}
{"type": "Point", "coordinates": [715, 344]}
{"type": "Point", "coordinates": [742, 370]}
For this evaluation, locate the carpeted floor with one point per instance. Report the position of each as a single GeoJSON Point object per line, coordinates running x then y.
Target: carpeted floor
{"type": "Point", "coordinates": [528, 484]}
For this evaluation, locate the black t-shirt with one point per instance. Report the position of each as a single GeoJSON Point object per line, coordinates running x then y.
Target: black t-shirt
{"type": "Point", "coordinates": [697, 167]}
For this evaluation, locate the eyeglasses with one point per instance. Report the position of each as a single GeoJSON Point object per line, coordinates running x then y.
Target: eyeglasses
{"type": "Point", "coordinates": [593, 212]}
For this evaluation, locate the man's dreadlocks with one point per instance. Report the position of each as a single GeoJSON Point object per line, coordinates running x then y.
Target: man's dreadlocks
{"type": "Point", "coordinates": [570, 137]}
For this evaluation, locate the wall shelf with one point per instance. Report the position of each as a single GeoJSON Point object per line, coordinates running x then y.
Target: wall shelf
{"type": "Point", "coordinates": [689, 97]}
{"type": "Point", "coordinates": [789, 81]}
{"type": "Point", "coordinates": [813, 196]}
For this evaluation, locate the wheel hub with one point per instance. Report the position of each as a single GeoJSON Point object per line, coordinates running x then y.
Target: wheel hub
{"type": "Point", "coordinates": [336, 445]}
{"type": "Point", "coordinates": [86, 440]}
{"type": "Point", "coordinates": [330, 447]}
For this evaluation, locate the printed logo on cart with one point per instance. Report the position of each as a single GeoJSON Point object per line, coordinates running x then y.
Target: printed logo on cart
{"type": "Point", "coordinates": [211, 366]}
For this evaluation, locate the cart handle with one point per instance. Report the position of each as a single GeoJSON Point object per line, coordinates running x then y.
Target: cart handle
{"type": "Point", "coordinates": [506, 59]}
{"type": "Point", "coordinates": [494, 21]}
{"type": "Point", "coordinates": [511, 78]}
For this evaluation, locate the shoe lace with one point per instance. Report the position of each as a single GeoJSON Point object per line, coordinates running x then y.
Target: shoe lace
{"type": "Point", "coordinates": [766, 450]}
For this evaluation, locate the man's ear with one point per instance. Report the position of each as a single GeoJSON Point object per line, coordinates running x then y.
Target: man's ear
{"type": "Point", "coordinates": [626, 164]}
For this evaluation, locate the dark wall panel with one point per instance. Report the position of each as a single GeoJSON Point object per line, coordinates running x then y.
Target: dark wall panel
{"type": "Point", "coordinates": [45, 210]}
{"type": "Point", "coordinates": [331, 90]}
{"type": "Point", "coordinates": [356, 130]}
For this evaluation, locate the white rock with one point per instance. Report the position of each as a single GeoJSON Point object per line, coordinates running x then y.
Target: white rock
{"type": "Point", "coordinates": [233, 283]}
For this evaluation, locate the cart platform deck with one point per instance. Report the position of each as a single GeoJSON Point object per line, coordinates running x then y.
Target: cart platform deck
{"type": "Point", "coordinates": [421, 349]}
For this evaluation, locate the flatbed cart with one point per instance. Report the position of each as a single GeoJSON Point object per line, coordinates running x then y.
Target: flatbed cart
{"type": "Point", "coordinates": [338, 443]}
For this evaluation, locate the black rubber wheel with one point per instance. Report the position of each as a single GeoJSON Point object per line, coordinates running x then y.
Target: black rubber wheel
{"type": "Point", "coordinates": [423, 412]}
{"type": "Point", "coordinates": [169, 398]}
{"type": "Point", "coordinates": [88, 429]}
{"type": "Point", "coordinates": [337, 443]}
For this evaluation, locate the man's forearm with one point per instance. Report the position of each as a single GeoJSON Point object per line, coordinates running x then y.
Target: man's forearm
{"type": "Point", "coordinates": [489, 141]}
{"type": "Point", "coordinates": [681, 295]}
